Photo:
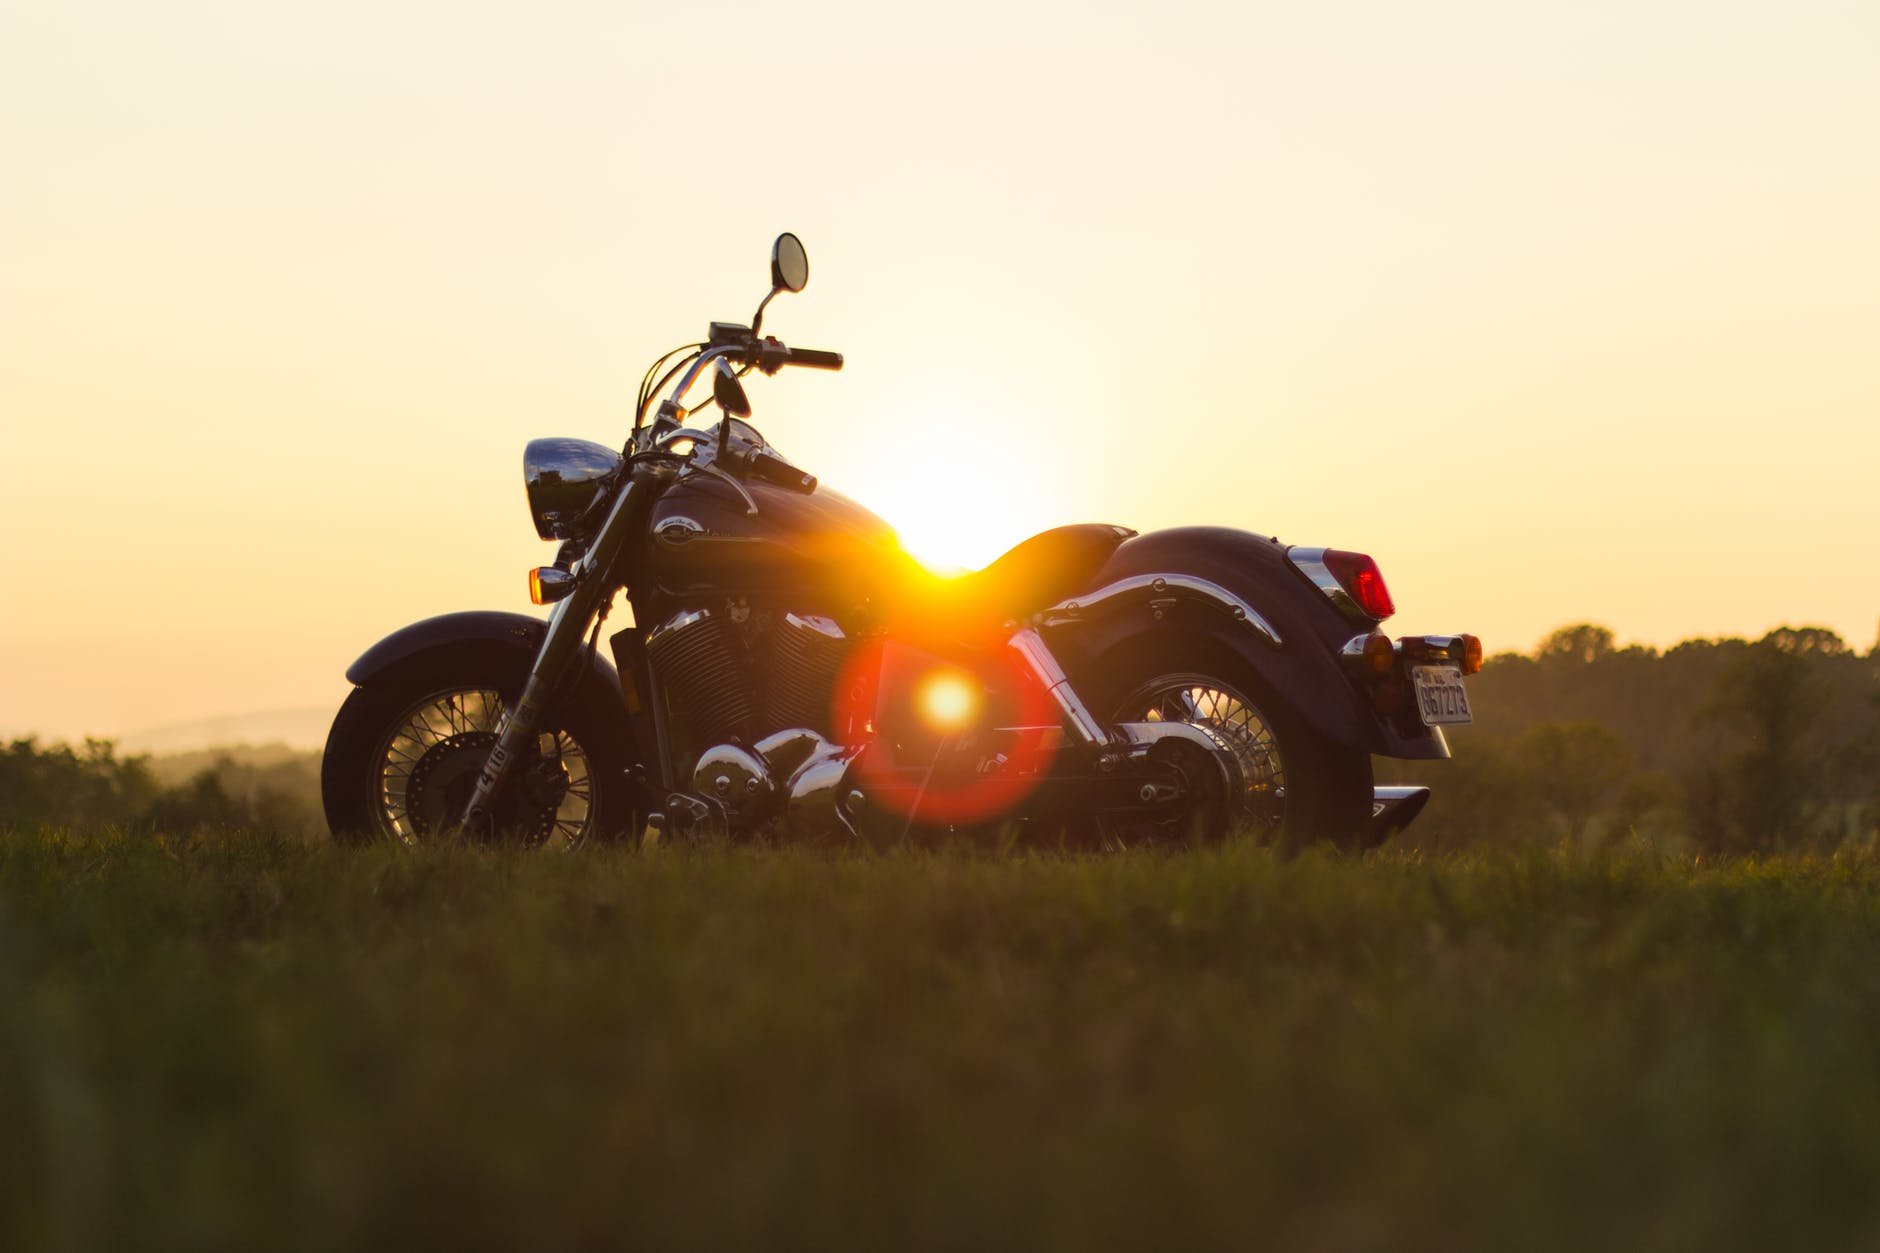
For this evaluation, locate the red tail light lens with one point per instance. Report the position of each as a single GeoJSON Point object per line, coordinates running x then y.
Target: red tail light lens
{"type": "Point", "coordinates": [1359, 575]}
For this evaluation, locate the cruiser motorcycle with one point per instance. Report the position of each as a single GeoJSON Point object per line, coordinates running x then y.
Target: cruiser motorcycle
{"type": "Point", "coordinates": [790, 673]}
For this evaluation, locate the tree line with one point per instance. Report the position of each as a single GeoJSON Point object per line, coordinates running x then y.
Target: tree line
{"type": "Point", "coordinates": [91, 787]}
{"type": "Point", "coordinates": [1725, 745]}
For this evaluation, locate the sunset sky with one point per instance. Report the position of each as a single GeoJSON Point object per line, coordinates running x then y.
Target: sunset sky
{"type": "Point", "coordinates": [1563, 312]}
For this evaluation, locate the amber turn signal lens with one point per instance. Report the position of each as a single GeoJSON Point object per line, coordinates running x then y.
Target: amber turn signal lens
{"type": "Point", "coordinates": [1378, 656]}
{"type": "Point", "coordinates": [548, 585]}
{"type": "Point", "coordinates": [1471, 654]}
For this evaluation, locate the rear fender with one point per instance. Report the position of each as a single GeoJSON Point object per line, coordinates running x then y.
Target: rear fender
{"type": "Point", "coordinates": [1238, 591]}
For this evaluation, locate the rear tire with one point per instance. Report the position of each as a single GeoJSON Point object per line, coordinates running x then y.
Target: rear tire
{"type": "Point", "coordinates": [1300, 788]}
{"type": "Point", "coordinates": [405, 750]}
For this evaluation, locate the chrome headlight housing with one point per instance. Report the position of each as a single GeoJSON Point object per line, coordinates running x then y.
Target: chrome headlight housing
{"type": "Point", "coordinates": [567, 479]}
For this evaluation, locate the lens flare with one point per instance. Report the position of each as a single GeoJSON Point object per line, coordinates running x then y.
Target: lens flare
{"type": "Point", "coordinates": [949, 700]}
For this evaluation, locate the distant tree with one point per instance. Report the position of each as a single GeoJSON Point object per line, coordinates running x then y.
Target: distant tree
{"type": "Point", "coordinates": [200, 803]}
{"type": "Point", "coordinates": [1573, 770]}
{"type": "Point", "coordinates": [1772, 697]}
{"type": "Point", "coordinates": [58, 786]}
{"type": "Point", "coordinates": [1582, 642]}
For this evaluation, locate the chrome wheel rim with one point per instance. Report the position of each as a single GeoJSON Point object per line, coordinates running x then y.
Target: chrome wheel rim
{"type": "Point", "coordinates": [426, 763]}
{"type": "Point", "coordinates": [1237, 723]}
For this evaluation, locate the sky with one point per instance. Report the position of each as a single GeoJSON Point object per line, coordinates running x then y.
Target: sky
{"type": "Point", "coordinates": [1564, 313]}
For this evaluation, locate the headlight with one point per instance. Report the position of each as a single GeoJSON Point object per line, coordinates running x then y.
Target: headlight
{"type": "Point", "coordinates": [567, 478]}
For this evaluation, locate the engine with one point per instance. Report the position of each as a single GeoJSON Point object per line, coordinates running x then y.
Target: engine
{"type": "Point", "coordinates": [749, 696]}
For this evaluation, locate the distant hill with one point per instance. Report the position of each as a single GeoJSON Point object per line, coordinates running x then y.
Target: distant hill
{"type": "Point", "coordinates": [300, 729]}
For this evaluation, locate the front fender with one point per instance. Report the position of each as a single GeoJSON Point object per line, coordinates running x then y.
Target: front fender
{"type": "Point", "coordinates": [1281, 626]}
{"type": "Point", "coordinates": [468, 636]}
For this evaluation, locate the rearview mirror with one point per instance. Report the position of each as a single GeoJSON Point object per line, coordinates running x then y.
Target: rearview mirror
{"type": "Point", "coordinates": [728, 392]}
{"type": "Point", "coordinates": [789, 264]}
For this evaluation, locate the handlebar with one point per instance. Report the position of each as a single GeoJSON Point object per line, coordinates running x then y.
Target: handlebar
{"type": "Point", "coordinates": [781, 473]}
{"type": "Point", "coordinates": [770, 354]}
{"type": "Point", "coordinates": [816, 358]}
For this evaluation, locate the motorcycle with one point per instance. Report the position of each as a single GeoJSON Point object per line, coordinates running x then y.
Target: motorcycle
{"type": "Point", "coordinates": [791, 673]}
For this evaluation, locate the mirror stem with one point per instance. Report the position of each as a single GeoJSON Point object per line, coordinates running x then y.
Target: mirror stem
{"type": "Point", "coordinates": [757, 320]}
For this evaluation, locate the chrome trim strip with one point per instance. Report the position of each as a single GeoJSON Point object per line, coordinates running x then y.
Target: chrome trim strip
{"type": "Point", "coordinates": [678, 622]}
{"type": "Point", "coordinates": [1083, 724]}
{"type": "Point", "coordinates": [1311, 563]}
{"type": "Point", "coordinates": [1432, 647]}
{"type": "Point", "coordinates": [1154, 589]}
{"type": "Point", "coordinates": [815, 622]}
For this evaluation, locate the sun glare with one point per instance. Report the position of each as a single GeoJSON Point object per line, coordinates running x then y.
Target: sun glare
{"type": "Point", "coordinates": [957, 509]}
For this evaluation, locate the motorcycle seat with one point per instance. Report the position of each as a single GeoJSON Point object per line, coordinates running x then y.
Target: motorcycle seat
{"type": "Point", "coordinates": [1036, 573]}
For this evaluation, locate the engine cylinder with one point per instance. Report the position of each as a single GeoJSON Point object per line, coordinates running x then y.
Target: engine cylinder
{"type": "Point", "coordinates": [806, 655]}
{"type": "Point", "coordinates": [695, 657]}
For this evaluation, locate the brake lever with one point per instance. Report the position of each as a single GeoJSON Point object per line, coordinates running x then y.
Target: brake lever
{"type": "Point", "coordinates": [749, 501]}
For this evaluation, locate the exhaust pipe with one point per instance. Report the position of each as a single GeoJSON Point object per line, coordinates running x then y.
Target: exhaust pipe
{"type": "Point", "coordinates": [1393, 809]}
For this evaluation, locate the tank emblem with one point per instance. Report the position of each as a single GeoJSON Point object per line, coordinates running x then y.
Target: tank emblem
{"type": "Point", "coordinates": [676, 532]}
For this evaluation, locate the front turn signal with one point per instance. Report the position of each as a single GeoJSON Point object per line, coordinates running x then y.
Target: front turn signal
{"type": "Point", "coordinates": [548, 584]}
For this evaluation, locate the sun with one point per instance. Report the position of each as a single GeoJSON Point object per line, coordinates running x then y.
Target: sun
{"type": "Point", "coordinates": [956, 509]}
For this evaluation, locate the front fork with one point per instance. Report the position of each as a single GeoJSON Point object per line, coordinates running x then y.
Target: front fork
{"type": "Point", "coordinates": [568, 624]}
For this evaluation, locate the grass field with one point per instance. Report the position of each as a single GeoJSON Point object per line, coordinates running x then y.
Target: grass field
{"type": "Point", "coordinates": [231, 1041]}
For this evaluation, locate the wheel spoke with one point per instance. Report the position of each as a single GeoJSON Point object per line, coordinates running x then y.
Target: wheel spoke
{"type": "Point", "coordinates": [1236, 722]}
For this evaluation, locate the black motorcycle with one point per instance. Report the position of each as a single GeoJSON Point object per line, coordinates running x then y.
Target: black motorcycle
{"type": "Point", "coordinates": [790, 673]}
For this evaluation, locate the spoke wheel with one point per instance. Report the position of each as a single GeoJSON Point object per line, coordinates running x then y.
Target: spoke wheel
{"type": "Point", "coordinates": [1237, 725]}
{"type": "Point", "coordinates": [1296, 787]}
{"type": "Point", "coordinates": [405, 752]}
{"type": "Point", "coordinates": [429, 760]}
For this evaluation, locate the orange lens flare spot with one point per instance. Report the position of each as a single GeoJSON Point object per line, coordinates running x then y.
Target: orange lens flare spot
{"type": "Point", "coordinates": [949, 700]}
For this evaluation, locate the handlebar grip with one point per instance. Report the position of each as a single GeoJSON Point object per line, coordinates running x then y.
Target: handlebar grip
{"type": "Point", "coordinates": [780, 472]}
{"type": "Point", "coordinates": [816, 358]}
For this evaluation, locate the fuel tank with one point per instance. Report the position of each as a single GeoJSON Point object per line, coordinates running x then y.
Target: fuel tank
{"type": "Point", "coordinates": [703, 538]}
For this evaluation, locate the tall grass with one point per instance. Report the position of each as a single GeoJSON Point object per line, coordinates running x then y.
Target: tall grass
{"type": "Point", "coordinates": [223, 1041]}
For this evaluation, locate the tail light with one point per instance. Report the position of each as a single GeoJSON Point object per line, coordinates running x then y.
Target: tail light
{"type": "Point", "coordinates": [1358, 574]}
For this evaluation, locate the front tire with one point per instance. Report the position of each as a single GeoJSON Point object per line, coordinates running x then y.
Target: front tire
{"type": "Point", "coordinates": [406, 748]}
{"type": "Point", "coordinates": [1299, 788]}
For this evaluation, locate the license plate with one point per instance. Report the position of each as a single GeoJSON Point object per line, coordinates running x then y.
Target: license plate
{"type": "Point", "coordinates": [1441, 698]}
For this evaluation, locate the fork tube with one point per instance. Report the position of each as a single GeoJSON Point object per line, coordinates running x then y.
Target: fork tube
{"type": "Point", "coordinates": [562, 644]}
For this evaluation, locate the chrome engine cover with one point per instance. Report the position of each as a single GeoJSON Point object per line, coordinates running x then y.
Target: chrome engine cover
{"type": "Point", "coordinates": [735, 790]}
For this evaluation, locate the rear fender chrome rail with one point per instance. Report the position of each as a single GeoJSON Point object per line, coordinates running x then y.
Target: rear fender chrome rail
{"type": "Point", "coordinates": [1158, 593]}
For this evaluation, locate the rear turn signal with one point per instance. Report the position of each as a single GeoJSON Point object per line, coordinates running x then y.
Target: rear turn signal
{"type": "Point", "coordinates": [1471, 654]}
{"type": "Point", "coordinates": [1375, 654]}
{"type": "Point", "coordinates": [548, 585]}
{"type": "Point", "coordinates": [1359, 576]}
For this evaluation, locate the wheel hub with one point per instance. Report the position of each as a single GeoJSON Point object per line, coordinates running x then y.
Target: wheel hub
{"type": "Point", "coordinates": [443, 780]}
{"type": "Point", "coordinates": [1240, 731]}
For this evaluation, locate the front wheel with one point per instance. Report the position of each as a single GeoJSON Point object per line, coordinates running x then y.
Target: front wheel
{"type": "Point", "coordinates": [405, 751]}
{"type": "Point", "coordinates": [1297, 788]}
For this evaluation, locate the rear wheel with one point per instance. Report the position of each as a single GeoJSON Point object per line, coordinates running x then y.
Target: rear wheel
{"type": "Point", "coordinates": [405, 751]}
{"type": "Point", "coordinates": [1296, 788]}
